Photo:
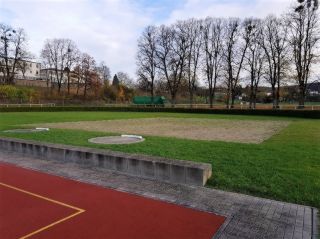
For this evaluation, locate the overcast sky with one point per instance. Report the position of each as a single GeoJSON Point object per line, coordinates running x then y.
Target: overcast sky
{"type": "Point", "coordinates": [108, 29]}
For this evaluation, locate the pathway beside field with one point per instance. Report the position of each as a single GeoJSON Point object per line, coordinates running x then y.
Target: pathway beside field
{"type": "Point", "coordinates": [246, 216]}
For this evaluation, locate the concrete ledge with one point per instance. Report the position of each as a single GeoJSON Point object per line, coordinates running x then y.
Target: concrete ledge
{"type": "Point", "coordinates": [161, 169]}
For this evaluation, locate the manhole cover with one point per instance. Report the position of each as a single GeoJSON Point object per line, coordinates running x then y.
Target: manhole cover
{"type": "Point", "coordinates": [123, 139]}
{"type": "Point", "coordinates": [26, 130]}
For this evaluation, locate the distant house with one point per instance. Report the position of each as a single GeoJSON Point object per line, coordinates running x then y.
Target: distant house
{"type": "Point", "coordinates": [50, 76]}
{"type": "Point", "coordinates": [24, 70]}
{"type": "Point", "coordinates": [313, 89]}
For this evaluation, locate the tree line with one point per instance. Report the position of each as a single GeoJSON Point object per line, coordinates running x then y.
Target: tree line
{"type": "Point", "coordinates": [64, 67]}
{"type": "Point", "coordinates": [226, 52]}
{"type": "Point", "coordinates": [63, 58]}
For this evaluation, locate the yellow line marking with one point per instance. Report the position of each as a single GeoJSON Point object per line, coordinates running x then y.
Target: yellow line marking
{"type": "Point", "coordinates": [79, 210]}
{"type": "Point", "coordinates": [51, 225]}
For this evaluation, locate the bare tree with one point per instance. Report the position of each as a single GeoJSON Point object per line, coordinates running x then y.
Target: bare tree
{"type": "Point", "coordinates": [235, 51]}
{"type": "Point", "coordinates": [275, 46]}
{"type": "Point", "coordinates": [88, 66]}
{"type": "Point", "coordinates": [304, 39]}
{"type": "Point", "coordinates": [125, 79]}
{"type": "Point", "coordinates": [104, 72]}
{"type": "Point", "coordinates": [212, 47]}
{"type": "Point", "coordinates": [255, 58]}
{"type": "Point", "coordinates": [78, 71]}
{"type": "Point", "coordinates": [194, 38]}
{"type": "Point", "coordinates": [146, 58]}
{"type": "Point", "coordinates": [13, 48]}
{"type": "Point", "coordinates": [57, 53]}
{"type": "Point", "coordinates": [171, 56]}
{"type": "Point", "coordinates": [73, 57]}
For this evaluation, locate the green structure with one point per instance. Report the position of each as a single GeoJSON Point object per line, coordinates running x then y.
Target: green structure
{"type": "Point", "coordinates": [147, 100]}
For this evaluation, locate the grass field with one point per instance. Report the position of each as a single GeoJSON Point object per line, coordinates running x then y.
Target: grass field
{"type": "Point", "coordinates": [284, 167]}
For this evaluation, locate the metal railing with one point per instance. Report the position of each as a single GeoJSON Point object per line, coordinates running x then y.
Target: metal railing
{"type": "Point", "coordinates": [184, 106]}
{"type": "Point", "coordinates": [221, 106]}
{"type": "Point", "coordinates": [28, 105]}
{"type": "Point", "coordinates": [245, 107]}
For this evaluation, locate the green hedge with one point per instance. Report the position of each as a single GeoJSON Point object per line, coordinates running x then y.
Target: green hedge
{"type": "Point", "coordinates": [314, 114]}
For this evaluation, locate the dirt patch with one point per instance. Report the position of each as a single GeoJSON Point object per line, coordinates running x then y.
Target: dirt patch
{"type": "Point", "coordinates": [244, 131]}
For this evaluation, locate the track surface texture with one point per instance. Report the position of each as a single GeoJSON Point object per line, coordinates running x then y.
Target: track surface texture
{"type": "Point", "coordinates": [246, 216]}
{"type": "Point", "coordinates": [40, 200]}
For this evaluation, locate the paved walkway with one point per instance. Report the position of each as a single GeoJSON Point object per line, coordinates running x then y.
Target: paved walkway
{"type": "Point", "coordinates": [247, 216]}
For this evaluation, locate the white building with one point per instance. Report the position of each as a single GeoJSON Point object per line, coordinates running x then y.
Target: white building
{"type": "Point", "coordinates": [50, 74]}
{"type": "Point", "coordinates": [24, 70]}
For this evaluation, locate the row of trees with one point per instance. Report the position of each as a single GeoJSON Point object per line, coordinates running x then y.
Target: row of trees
{"type": "Point", "coordinates": [226, 51]}
{"type": "Point", "coordinates": [63, 57]}
{"type": "Point", "coordinates": [64, 66]}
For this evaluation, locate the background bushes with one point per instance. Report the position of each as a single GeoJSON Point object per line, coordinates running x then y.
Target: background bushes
{"type": "Point", "coordinates": [312, 114]}
{"type": "Point", "coordinates": [20, 95]}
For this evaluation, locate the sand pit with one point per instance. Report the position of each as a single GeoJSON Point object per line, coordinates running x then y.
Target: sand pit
{"type": "Point", "coordinates": [243, 131]}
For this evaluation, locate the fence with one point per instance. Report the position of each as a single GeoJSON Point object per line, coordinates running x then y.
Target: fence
{"type": "Point", "coordinates": [237, 106]}
{"type": "Point", "coordinates": [184, 106]}
{"type": "Point", "coordinates": [258, 106]}
{"type": "Point", "coordinates": [28, 105]}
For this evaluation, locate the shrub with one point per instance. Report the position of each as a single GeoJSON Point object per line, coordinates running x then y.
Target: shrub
{"type": "Point", "coordinates": [14, 94]}
{"type": "Point", "coordinates": [314, 114]}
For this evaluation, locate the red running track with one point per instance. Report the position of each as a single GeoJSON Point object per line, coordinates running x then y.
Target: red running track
{"type": "Point", "coordinates": [38, 205]}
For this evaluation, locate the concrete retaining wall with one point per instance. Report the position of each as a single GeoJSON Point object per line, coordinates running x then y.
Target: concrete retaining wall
{"type": "Point", "coordinates": [174, 171]}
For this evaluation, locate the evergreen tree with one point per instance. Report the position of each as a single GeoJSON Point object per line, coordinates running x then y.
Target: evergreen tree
{"type": "Point", "coordinates": [115, 81]}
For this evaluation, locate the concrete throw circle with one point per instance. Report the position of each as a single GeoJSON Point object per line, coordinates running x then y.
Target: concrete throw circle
{"type": "Point", "coordinates": [26, 130]}
{"type": "Point", "coordinates": [123, 139]}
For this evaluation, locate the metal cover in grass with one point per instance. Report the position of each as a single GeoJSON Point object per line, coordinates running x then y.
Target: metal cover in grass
{"type": "Point", "coordinates": [123, 139]}
{"type": "Point", "coordinates": [26, 130]}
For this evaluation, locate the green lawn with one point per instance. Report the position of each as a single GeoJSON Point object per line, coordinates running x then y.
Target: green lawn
{"type": "Point", "coordinates": [285, 167]}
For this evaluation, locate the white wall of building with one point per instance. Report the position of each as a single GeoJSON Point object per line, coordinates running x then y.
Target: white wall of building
{"type": "Point", "coordinates": [30, 71]}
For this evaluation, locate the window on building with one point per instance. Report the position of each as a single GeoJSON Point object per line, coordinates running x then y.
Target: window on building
{"type": "Point", "coordinates": [31, 72]}
{"type": "Point", "coordinates": [37, 72]}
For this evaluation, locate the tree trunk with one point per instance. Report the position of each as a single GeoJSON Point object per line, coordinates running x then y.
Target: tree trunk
{"type": "Point", "coordinates": [191, 98]}
{"type": "Point", "coordinates": [173, 100]}
{"type": "Point", "coordinates": [211, 98]}
{"type": "Point", "coordinates": [228, 100]}
{"type": "Point", "coordinates": [59, 87]}
{"type": "Point", "coordinates": [68, 83]}
{"type": "Point", "coordinates": [278, 93]}
{"type": "Point", "coordinates": [233, 97]}
{"type": "Point", "coordinates": [251, 96]}
{"type": "Point", "coordinates": [255, 96]}
{"type": "Point", "coordinates": [152, 93]}
{"type": "Point", "coordinates": [301, 96]}
{"type": "Point", "coordinates": [274, 97]}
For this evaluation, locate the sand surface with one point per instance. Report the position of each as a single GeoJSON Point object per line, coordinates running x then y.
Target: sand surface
{"type": "Point", "coordinates": [244, 131]}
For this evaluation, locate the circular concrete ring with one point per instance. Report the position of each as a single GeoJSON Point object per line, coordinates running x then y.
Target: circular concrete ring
{"type": "Point", "coordinates": [26, 130]}
{"type": "Point", "coordinates": [116, 140]}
